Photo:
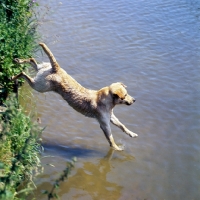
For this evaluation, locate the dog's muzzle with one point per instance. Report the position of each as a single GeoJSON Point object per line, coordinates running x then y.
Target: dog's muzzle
{"type": "Point", "coordinates": [131, 102]}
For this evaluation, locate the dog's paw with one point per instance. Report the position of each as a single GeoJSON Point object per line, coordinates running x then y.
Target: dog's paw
{"type": "Point", "coordinates": [17, 60]}
{"type": "Point", "coordinates": [118, 148]}
{"type": "Point", "coordinates": [131, 134]}
{"type": "Point", "coordinates": [12, 78]}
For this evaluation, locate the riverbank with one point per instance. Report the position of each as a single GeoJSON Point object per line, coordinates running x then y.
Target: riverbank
{"type": "Point", "coordinates": [19, 135]}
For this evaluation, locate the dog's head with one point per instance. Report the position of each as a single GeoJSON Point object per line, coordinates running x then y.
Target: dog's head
{"type": "Point", "coordinates": [120, 95]}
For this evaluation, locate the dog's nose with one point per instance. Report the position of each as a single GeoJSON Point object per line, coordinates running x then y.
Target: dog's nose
{"type": "Point", "coordinates": [134, 100]}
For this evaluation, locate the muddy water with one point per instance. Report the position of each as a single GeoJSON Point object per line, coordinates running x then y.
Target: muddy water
{"type": "Point", "coordinates": [153, 48]}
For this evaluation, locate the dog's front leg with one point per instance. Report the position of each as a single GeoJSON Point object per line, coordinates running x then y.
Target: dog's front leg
{"type": "Point", "coordinates": [117, 123]}
{"type": "Point", "coordinates": [105, 126]}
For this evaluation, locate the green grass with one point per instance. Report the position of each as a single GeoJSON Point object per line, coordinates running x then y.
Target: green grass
{"type": "Point", "coordinates": [17, 38]}
{"type": "Point", "coordinates": [19, 137]}
{"type": "Point", "coordinates": [19, 149]}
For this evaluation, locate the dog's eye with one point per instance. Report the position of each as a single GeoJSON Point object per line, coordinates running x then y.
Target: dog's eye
{"type": "Point", "coordinates": [115, 96]}
{"type": "Point", "coordinates": [123, 97]}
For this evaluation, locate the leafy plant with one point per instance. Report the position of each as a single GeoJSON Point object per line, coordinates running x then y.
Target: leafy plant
{"type": "Point", "coordinates": [19, 149]}
{"type": "Point", "coordinates": [17, 38]}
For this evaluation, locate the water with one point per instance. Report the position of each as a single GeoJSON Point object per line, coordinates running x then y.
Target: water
{"type": "Point", "coordinates": [153, 48]}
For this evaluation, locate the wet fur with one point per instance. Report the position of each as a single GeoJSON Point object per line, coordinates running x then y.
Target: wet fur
{"type": "Point", "coordinates": [98, 104]}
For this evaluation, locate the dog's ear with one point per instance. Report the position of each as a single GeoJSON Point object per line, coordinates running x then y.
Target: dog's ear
{"type": "Point", "coordinates": [118, 90]}
{"type": "Point", "coordinates": [118, 93]}
{"type": "Point", "coordinates": [123, 85]}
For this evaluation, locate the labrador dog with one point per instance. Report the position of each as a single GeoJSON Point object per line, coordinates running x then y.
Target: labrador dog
{"type": "Point", "coordinates": [97, 104]}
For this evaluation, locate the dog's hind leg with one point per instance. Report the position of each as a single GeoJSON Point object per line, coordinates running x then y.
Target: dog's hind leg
{"type": "Point", "coordinates": [26, 77]}
{"type": "Point", "coordinates": [54, 64]}
{"type": "Point", "coordinates": [31, 61]}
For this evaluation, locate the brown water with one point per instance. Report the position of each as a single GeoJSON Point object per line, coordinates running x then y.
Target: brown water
{"type": "Point", "coordinates": [153, 48]}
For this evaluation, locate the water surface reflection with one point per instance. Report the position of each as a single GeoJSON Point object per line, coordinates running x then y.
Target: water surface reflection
{"type": "Point", "coordinates": [91, 179]}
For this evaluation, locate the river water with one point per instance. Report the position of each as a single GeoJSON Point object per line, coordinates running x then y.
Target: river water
{"type": "Point", "coordinates": [153, 47]}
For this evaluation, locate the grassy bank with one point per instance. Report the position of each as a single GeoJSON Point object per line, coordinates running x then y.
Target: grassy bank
{"type": "Point", "coordinates": [19, 136]}
{"type": "Point", "coordinates": [17, 39]}
{"type": "Point", "coordinates": [19, 148]}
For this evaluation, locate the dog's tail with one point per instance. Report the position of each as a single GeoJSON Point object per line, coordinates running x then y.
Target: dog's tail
{"type": "Point", "coordinates": [54, 64]}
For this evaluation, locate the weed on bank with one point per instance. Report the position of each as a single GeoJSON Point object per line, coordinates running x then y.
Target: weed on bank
{"type": "Point", "coordinates": [17, 38]}
{"type": "Point", "coordinates": [19, 136]}
{"type": "Point", "coordinates": [19, 150]}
